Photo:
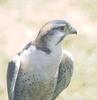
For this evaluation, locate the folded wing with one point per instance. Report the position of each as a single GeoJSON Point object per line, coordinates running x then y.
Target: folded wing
{"type": "Point", "coordinates": [64, 74]}
{"type": "Point", "coordinates": [12, 73]}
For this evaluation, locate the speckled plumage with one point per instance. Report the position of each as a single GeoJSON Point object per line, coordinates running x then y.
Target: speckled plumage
{"type": "Point", "coordinates": [64, 73]}
{"type": "Point", "coordinates": [34, 81]}
{"type": "Point", "coordinates": [42, 70]}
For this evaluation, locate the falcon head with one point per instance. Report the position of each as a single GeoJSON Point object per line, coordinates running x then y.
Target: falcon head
{"type": "Point", "coordinates": [53, 32]}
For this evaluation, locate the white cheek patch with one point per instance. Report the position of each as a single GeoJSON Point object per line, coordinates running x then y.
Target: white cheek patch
{"type": "Point", "coordinates": [56, 38]}
{"type": "Point", "coordinates": [59, 34]}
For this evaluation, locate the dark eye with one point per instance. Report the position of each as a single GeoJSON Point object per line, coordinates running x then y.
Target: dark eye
{"type": "Point", "coordinates": [51, 33]}
{"type": "Point", "coordinates": [62, 28]}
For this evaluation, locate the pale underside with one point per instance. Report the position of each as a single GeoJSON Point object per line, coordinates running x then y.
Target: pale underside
{"type": "Point", "coordinates": [40, 76]}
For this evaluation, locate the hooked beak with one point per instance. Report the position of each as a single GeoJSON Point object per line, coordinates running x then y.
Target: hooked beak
{"type": "Point", "coordinates": [73, 31]}
{"type": "Point", "coordinates": [70, 31]}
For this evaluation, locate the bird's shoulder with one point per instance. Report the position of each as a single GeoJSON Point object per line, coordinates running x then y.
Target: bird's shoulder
{"type": "Point", "coordinates": [25, 48]}
{"type": "Point", "coordinates": [13, 64]}
{"type": "Point", "coordinates": [67, 60]}
{"type": "Point", "coordinates": [67, 56]}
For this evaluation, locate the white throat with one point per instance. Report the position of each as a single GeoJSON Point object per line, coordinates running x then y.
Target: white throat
{"type": "Point", "coordinates": [40, 62]}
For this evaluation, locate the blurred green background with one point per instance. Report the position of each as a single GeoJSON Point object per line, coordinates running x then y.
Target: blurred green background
{"type": "Point", "coordinates": [20, 20]}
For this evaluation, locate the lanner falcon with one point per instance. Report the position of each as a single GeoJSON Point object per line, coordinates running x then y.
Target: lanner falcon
{"type": "Point", "coordinates": [42, 70]}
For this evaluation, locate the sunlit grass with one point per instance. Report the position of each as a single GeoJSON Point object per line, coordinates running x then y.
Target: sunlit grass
{"type": "Point", "coordinates": [89, 6]}
{"type": "Point", "coordinates": [3, 1]}
{"type": "Point", "coordinates": [1, 90]}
